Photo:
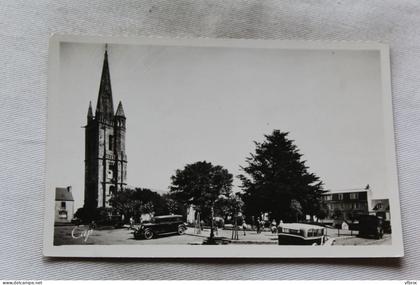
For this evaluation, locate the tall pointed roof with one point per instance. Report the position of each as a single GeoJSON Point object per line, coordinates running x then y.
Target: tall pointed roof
{"type": "Point", "coordinates": [120, 110]}
{"type": "Point", "coordinates": [105, 106]}
{"type": "Point", "coordinates": [90, 112]}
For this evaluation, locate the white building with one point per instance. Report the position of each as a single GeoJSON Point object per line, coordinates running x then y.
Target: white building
{"type": "Point", "coordinates": [64, 205]}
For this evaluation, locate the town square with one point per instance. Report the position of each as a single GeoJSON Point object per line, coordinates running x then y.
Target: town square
{"type": "Point", "coordinates": [183, 171]}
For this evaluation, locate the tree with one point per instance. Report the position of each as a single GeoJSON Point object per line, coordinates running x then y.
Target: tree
{"type": "Point", "coordinates": [146, 208]}
{"type": "Point", "coordinates": [274, 176]}
{"type": "Point", "coordinates": [323, 212]}
{"type": "Point", "coordinates": [173, 206]}
{"type": "Point", "coordinates": [99, 215]}
{"type": "Point", "coordinates": [337, 214]}
{"type": "Point", "coordinates": [200, 184]}
{"type": "Point", "coordinates": [295, 209]}
{"type": "Point", "coordinates": [231, 206]}
{"type": "Point", "coordinates": [157, 204]}
{"type": "Point", "coordinates": [123, 202]}
{"type": "Point", "coordinates": [138, 201]}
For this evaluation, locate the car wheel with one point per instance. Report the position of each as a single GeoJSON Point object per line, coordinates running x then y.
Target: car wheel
{"type": "Point", "coordinates": [148, 234]}
{"type": "Point", "coordinates": [181, 230]}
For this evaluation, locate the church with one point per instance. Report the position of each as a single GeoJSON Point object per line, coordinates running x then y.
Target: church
{"type": "Point", "coordinates": [105, 156]}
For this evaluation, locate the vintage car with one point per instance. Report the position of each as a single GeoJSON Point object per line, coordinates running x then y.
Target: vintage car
{"type": "Point", "coordinates": [301, 234]}
{"type": "Point", "coordinates": [371, 226]}
{"type": "Point", "coordinates": [161, 225]}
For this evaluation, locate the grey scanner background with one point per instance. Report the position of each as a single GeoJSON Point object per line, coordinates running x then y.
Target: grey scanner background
{"type": "Point", "coordinates": [25, 27]}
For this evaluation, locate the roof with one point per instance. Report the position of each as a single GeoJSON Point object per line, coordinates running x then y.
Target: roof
{"type": "Point", "coordinates": [120, 110]}
{"type": "Point", "coordinates": [299, 226]}
{"type": "Point", "coordinates": [105, 105]}
{"type": "Point", "coordinates": [63, 194]}
{"type": "Point", "coordinates": [90, 112]}
{"type": "Point", "coordinates": [344, 191]}
{"type": "Point", "coordinates": [167, 216]}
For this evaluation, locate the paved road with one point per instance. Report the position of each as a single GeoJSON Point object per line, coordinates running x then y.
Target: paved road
{"type": "Point", "coordinates": [63, 236]}
{"type": "Point", "coordinates": [107, 236]}
{"type": "Point", "coordinates": [386, 240]}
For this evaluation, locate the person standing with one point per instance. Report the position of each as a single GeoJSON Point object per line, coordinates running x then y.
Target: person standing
{"type": "Point", "coordinates": [131, 223]}
{"type": "Point", "coordinates": [244, 227]}
{"type": "Point", "coordinates": [258, 225]}
{"type": "Point", "coordinates": [274, 226]}
{"type": "Point", "coordinates": [201, 225]}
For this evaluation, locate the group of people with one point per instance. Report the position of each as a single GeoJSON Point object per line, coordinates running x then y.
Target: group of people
{"type": "Point", "coordinates": [260, 225]}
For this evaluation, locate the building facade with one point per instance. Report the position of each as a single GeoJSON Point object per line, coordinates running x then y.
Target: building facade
{"type": "Point", "coordinates": [105, 156]}
{"type": "Point", "coordinates": [64, 205]}
{"type": "Point", "coordinates": [381, 208]}
{"type": "Point", "coordinates": [347, 204]}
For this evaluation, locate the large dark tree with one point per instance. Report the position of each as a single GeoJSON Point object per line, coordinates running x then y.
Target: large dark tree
{"type": "Point", "coordinates": [229, 206]}
{"type": "Point", "coordinates": [173, 206]}
{"type": "Point", "coordinates": [138, 201]}
{"type": "Point", "coordinates": [201, 184]}
{"type": "Point", "coordinates": [277, 181]}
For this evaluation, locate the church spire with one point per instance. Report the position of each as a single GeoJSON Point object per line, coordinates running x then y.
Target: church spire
{"type": "Point", "coordinates": [105, 106]}
{"type": "Point", "coordinates": [120, 111]}
{"type": "Point", "coordinates": [90, 112]}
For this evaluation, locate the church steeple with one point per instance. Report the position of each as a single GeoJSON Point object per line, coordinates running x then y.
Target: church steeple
{"type": "Point", "coordinates": [105, 106]}
{"type": "Point", "coordinates": [120, 111]}
{"type": "Point", "coordinates": [90, 112]}
{"type": "Point", "coordinates": [105, 156]}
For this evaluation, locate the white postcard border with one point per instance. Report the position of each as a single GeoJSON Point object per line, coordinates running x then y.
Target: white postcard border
{"type": "Point", "coordinates": [233, 251]}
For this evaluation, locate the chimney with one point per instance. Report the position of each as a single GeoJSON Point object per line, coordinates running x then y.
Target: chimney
{"type": "Point", "coordinates": [68, 188]}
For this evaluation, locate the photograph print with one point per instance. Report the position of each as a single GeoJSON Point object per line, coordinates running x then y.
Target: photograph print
{"type": "Point", "coordinates": [220, 148]}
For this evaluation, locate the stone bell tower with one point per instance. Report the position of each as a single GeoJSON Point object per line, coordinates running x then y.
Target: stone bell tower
{"type": "Point", "coordinates": [105, 157]}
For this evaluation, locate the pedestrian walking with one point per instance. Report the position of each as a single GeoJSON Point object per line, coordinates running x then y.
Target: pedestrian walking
{"type": "Point", "coordinates": [274, 226]}
{"type": "Point", "coordinates": [201, 225]}
{"type": "Point", "coordinates": [131, 223]}
{"type": "Point", "coordinates": [261, 226]}
{"type": "Point", "coordinates": [244, 227]}
{"type": "Point", "coordinates": [258, 225]}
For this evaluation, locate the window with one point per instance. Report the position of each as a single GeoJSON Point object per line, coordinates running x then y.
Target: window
{"type": "Point", "coordinates": [62, 214]}
{"type": "Point", "coordinates": [112, 190]}
{"type": "Point", "coordinates": [63, 204]}
{"type": "Point", "coordinates": [354, 196]}
{"type": "Point", "coordinates": [327, 197]}
{"type": "Point", "coordinates": [110, 172]}
{"type": "Point", "coordinates": [111, 142]}
{"type": "Point", "coordinates": [340, 196]}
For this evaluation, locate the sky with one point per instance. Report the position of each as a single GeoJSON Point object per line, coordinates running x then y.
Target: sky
{"type": "Point", "coordinates": [188, 104]}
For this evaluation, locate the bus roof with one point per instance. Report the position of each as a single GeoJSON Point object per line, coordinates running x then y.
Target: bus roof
{"type": "Point", "coordinates": [299, 226]}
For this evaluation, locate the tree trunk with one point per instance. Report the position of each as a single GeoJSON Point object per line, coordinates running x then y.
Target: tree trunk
{"type": "Point", "coordinates": [212, 223]}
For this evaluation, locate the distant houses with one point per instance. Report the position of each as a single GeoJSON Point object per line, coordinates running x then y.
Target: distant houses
{"type": "Point", "coordinates": [64, 205]}
{"type": "Point", "coordinates": [346, 204]}
{"type": "Point", "coordinates": [381, 208]}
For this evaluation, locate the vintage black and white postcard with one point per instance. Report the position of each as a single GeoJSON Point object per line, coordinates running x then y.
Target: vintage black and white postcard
{"type": "Point", "coordinates": [220, 148]}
